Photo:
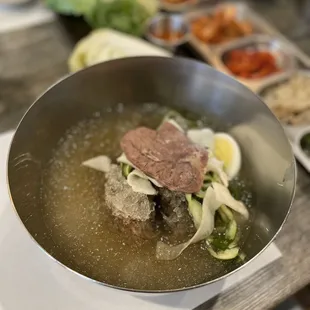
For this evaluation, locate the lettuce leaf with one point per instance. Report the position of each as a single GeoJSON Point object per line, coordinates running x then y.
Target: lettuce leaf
{"type": "Point", "coordinates": [127, 16]}
{"type": "Point", "coordinates": [71, 7]}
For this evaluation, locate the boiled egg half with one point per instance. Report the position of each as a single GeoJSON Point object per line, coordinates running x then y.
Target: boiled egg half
{"type": "Point", "coordinates": [227, 150]}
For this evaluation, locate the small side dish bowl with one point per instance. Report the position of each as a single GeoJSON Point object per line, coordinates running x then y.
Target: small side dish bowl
{"type": "Point", "coordinates": [273, 49]}
{"type": "Point", "coordinates": [178, 5]}
{"type": "Point", "coordinates": [289, 98]}
{"type": "Point", "coordinates": [168, 30]}
{"type": "Point", "coordinates": [216, 26]}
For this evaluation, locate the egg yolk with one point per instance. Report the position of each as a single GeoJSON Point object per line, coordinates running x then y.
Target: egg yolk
{"type": "Point", "coordinates": [223, 151]}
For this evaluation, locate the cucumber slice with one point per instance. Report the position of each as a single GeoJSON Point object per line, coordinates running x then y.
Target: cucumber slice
{"type": "Point", "coordinates": [242, 256]}
{"type": "Point", "coordinates": [201, 194]}
{"type": "Point", "coordinates": [227, 212]}
{"type": "Point", "coordinates": [219, 243]}
{"type": "Point", "coordinates": [224, 255]}
{"type": "Point", "coordinates": [195, 210]}
{"type": "Point", "coordinates": [231, 230]}
{"type": "Point", "coordinates": [126, 169]}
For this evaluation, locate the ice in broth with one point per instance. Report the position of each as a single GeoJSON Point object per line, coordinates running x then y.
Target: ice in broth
{"type": "Point", "coordinates": [92, 240]}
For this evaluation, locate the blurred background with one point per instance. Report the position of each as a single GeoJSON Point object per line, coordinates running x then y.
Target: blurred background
{"type": "Point", "coordinates": [265, 44]}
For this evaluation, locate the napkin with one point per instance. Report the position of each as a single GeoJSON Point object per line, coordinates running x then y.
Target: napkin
{"type": "Point", "coordinates": [31, 280]}
{"type": "Point", "coordinates": [15, 17]}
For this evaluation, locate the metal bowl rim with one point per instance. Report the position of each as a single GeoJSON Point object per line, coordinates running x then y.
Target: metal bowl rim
{"type": "Point", "coordinates": [132, 290]}
{"type": "Point", "coordinates": [164, 43]}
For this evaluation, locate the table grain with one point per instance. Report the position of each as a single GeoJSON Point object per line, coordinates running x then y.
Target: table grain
{"type": "Point", "coordinates": [33, 59]}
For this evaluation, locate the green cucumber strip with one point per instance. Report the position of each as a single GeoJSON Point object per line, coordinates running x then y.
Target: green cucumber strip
{"type": "Point", "coordinates": [126, 169]}
{"type": "Point", "coordinates": [195, 209]}
{"type": "Point", "coordinates": [231, 230]}
{"type": "Point", "coordinates": [224, 255]}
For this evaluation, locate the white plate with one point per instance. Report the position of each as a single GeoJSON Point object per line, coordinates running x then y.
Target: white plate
{"type": "Point", "coordinates": [20, 17]}
{"type": "Point", "coordinates": [14, 3]}
{"type": "Point", "coordinates": [30, 280]}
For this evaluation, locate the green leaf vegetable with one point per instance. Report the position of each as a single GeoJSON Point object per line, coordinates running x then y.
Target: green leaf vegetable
{"type": "Point", "coordinates": [71, 7]}
{"type": "Point", "coordinates": [129, 16]}
{"type": "Point", "coordinates": [305, 143]}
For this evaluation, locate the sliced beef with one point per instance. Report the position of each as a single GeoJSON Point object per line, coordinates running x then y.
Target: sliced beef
{"type": "Point", "coordinates": [173, 207]}
{"type": "Point", "coordinates": [168, 156]}
{"type": "Point", "coordinates": [132, 210]}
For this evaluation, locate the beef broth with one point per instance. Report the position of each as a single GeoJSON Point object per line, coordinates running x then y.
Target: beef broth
{"type": "Point", "coordinates": [88, 237]}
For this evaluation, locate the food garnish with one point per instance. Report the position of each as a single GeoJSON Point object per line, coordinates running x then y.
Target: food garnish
{"type": "Point", "coordinates": [214, 198]}
{"type": "Point", "coordinates": [101, 163]}
{"type": "Point", "coordinates": [251, 64]}
{"type": "Point", "coordinates": [221, 26]}
{"type": "Point", "coordinates": [290, 100]}
{"type": "Point", "coordinates": [168, 156]}
{"type": "Point", "coordinates": [162, 170]}
{"type": "Point", "coordinates": [227, 150]}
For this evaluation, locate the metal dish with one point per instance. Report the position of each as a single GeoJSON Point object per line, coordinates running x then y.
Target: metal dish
{"type": "Point", "coordinates": [178, 83]}
{"type": "Point", "coordinates": [286, 61]}
{"type": "Point", "coordinates": [267, 86]}
{"type": "Point", "coordinates": [294, 132]}
{"type": "Point", "coordinates": [178, 7]}
{"type": "Point", "coordinates": [260, 26]}
{"type": "Point", "coordinates": [172, 23]}
{"type": "Point", "coordinates": [241, 14]}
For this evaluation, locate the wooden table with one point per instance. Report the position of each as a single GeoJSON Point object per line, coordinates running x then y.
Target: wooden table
{"type": "Point", "coordinates": [33, 59]}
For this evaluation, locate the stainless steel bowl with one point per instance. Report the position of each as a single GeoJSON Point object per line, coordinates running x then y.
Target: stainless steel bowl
{"type": "Point", "coordinates": [173, 23]}
{"type": "Point", "coordinates": [267, 156]}
{"type": "Point", "coordinates": [178, 7]}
